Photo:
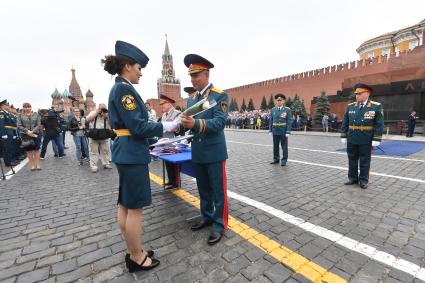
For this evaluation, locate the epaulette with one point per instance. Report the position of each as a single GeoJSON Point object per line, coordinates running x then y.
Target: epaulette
{"type": "Point", "coordinates": [219, 91]}
{"type": "Point", "coordinates": [124, 83]}
{"type": "Point", "coordinates": [375, 103]}
{"type": "Point", "coordinates": [287, 107]}
{"type": "Point", "coordinates": [352, 103]}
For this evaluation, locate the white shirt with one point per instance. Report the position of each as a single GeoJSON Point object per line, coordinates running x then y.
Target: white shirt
{"type": "Point", "coordinates": [204, 89]}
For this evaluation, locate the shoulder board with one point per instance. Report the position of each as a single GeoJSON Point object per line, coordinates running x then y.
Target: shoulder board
{"type": "Point", "coordinates": [287, 107]}
{"type": "Point", "coordinates": [375, 103]}
{"type": "Point", "coordinates": [124, 83]}
{"type": "Point", "coordinates": [216, 90]}
{"type": "Point", "coordinates": [352, 103]}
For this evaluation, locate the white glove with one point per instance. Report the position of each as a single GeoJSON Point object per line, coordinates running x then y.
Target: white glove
{"type": "Point", "coordinates": [4, 137]}
{"type": "Point", "coordinates": [287, 134]}
{"type": "Point", "coordinates": [270, 133]}
{"type": "Point", "coordinates": [168, 126]}
{"type": "Point", "coordinates": [344, 141]}
{"type": "Point", "coordinates": [376, 143]}
{"type": "Point", "coordinates": [14, 137]}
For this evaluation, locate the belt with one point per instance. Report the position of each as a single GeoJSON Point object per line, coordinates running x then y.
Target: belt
{"type": "Point", "coordinates": [279, 124]}
{"type": "Point", "coordinates": [10, 127]}
{"type": "Point", "coordinates": [122, 132]}
{"type": "Point", "coordinates": [361, 128]}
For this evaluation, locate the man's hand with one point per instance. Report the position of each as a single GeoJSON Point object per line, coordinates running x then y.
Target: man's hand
{"type": "Point", "coordinates": [376, 143]}
{"type": "Point", "coordinates": [287, 134]}
{"type": "Point", "coordinates": [188, 121]}
{"type": "Point", "coordinates": [344, 141]}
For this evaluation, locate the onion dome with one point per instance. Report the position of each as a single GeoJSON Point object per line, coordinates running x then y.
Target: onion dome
{"type": "Point", "coordinates": [81, 100]}
{"type": "Point", "coordinates": [66, 94]}
{"type": "Point", "coordinates": [56, 94]}
{"type": "Point", "coordinates": [89, 93]}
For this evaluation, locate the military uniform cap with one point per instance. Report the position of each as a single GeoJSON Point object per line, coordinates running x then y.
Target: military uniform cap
{"type": "Point", "coordinates": [359, 88]}
{"type": "Point", "coordinates": [197, 63]}
{"type": "Point", "coordinates": [281, 95]}
{"type": "Point", "coordinates": [3, 101]}
{"type": "Point", "coordinates": [189, 89]}
{"type": "Point", "coordinates": [165, 99]}
{"type": "Point", "coordinates": [131, 51]}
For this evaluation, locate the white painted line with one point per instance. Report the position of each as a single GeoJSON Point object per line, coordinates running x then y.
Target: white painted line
{"type": "Point", "coordinates": [346, 169]}
{"type": "Point", "coordinates": [333, 152]}
{"type": "Point", "coordinates": [9, 174]}
{"type": "Point", "coordinates": [348, 243]}
{"type": "Point", "coordinates": [371, 173]}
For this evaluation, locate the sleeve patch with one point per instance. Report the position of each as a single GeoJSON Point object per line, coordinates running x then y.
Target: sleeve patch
{"type": "Point", "coordinates": [224, 106]}
{"type": "Point", "coordinates": [128, 102]}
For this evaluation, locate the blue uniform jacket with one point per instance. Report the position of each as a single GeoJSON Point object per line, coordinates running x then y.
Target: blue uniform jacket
{"type": "Point", "coordinates": [127, 111]}
{"type": "Point", "coordinates": [363, 126]}
{"type": "Point", "coordinates": [208, 143]}
{"type": "Point", "coordinates": [3, 117]}
{"type": "Point", "coordinates": [280, 121]}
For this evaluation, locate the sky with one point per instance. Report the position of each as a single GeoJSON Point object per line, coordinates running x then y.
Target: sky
{"type": "Point", "coordinates": [248, 41]}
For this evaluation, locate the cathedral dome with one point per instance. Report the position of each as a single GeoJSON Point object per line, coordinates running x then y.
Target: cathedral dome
{"type": "Point", "coordinates": [89, 93]}
{"type": "Point", "coordinates": [67, 94]}
{"type": "Point", "coordinates": [56, 94]}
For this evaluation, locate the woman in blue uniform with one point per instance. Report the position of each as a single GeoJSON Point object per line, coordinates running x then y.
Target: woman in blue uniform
{"type": "Point", "coordinates": [129, 118]}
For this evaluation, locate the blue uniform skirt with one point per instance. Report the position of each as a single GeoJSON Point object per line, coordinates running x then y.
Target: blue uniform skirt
{"type": "Point", "coordinates": [134, 185]}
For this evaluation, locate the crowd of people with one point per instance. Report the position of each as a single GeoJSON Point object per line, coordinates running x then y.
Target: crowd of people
{"type": "Point", "coordinates": [260, 120]}
{"type": "Point", "coordinates": [26, 133]}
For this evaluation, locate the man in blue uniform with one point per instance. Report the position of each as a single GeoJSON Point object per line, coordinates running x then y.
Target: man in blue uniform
{"type": "Point", "coordinates": [9, 137]}
{"type": "Point", "coordinates": [280, 128]}
{"type": "Point", "coordinates": [209, 151]}
{"type": "Point", "coordinates": [362, 127]}
{"type": "Point", "coordinates": [411, 122]}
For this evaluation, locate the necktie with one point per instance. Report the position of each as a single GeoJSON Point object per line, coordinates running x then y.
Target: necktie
{"type": "Point", "coordinates": [361, 106]}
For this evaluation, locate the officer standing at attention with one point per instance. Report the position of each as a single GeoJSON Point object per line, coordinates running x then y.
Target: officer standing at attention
{"type": "Point", "coordinates": [280, 128]}
{"type": "Point", "coordinates": [129, 118]}
{"type": "Point", "coordinates": [362, 127]}
{"type": "Point", "coordinates": [169, 114]}
{"type": "Point", "coordinates": [209, 151]}
{"type": "Point", "coordinates": [3, 134]}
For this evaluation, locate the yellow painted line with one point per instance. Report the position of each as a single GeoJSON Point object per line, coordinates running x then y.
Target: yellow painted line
{"type": "Point", "coordinates": [289, 258]}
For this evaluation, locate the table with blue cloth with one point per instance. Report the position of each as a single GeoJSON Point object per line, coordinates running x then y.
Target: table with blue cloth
{"type": "Point", "coordinates": [181, 160]}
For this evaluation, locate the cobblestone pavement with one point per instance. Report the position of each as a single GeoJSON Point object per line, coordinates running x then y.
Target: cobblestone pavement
{"type": "Point", "coordinates": [59, 224]}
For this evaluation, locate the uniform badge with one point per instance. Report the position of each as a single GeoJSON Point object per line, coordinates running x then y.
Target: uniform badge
{"type": "Point", "coordinates": [128, 102]}
{"type": "Point", "coordinates": [224, 106]}
{"type": "Point", "coordinates": [283, 115]}
{"type": "Point", "coordinates": [369, 115]}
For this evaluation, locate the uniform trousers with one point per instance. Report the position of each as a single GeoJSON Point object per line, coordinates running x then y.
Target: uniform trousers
{"type": "Point", "coordinates": [359, 155]}
{"type": "Point", "coordinates": [283, 142]}
{"type": "Point", "coordinates": [212, 187]}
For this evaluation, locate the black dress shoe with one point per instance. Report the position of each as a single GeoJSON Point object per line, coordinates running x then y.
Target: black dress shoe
{"type": "Point", "coordinates": [214, 238]}
{"type": "Point", "coordinates": [134, 266]}
{"type": "Point", "coordinates": [274, 162]}
{"type": "Point", "coordinates": [127, 257]}
{"type": "Point", "coordinates": [350, 183]}
{"type": "Point", "coordinates": [363, 185]}
{"type": "Point", "coordinates": [199, 225]}
{"type": "Point", "coordinates": [282, 163]}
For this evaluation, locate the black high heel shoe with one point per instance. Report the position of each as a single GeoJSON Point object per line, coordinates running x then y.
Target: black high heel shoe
{"type": "Point", "coordinates": [127, 256]}
{"type": "Point", "coordinates": [134, 266]}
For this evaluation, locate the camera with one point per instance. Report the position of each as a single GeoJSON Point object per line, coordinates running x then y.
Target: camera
{"type": "Point", "coordinates": [104, 110]}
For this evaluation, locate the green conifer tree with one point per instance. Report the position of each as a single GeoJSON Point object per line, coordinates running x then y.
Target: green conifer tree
{"type": "Point", "coordinates": [251, 106]}
{"type": "Point", "coordinates": [243, 106]}
{"type": "Point", "coordinates": [321, 107]}
{"type": "Point", "coordinates": [271, 102]}
{"type": "Point", "coordinates": [263, 103]}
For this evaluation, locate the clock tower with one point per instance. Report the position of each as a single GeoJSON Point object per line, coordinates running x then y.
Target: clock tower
{"type": "Point", "coordinates": [168, 84]}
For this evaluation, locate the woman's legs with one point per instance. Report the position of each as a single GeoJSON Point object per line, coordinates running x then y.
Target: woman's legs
{"type": "Point", "coordinates": [31, 159]}
{"type": "Point", "coordinates": [122, 218]}
{"type": "Point", "coordinates": [133, 236]}
{"type": "Point", "coordinates": [37, 158]}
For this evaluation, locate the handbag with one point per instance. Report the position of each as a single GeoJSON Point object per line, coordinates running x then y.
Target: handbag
{"type": "Point", "coordinates": [27, 141]}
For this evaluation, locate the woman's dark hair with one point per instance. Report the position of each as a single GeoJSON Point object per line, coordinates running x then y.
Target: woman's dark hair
{"type": "Point", "coordinates": [114, 64]}
{"type": "Point", "coordinates": [82, 112]}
